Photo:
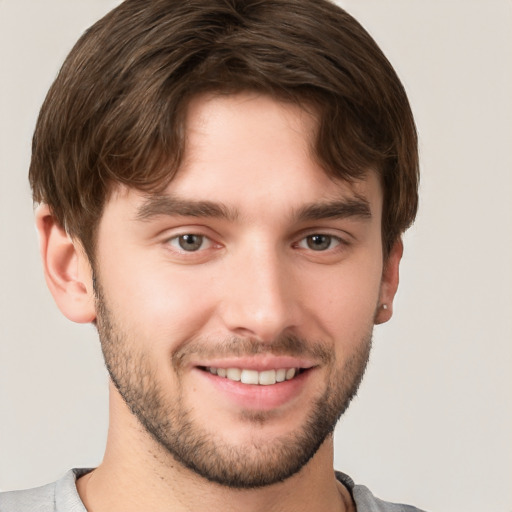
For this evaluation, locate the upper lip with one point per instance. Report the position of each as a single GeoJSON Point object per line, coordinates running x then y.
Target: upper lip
{"type": "Point", "coordinates": [259, 363]}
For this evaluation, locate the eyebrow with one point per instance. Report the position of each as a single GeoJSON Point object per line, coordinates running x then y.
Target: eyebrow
{"type": "Point", "coordinates": [158, 205]}
{"type": "Point", "coordinates": [357, 207]}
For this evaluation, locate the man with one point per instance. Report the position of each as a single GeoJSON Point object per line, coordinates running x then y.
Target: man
{"type": "Point", "coordinates": [222, 189]}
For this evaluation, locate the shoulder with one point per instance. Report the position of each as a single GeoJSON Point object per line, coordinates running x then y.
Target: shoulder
{"type": "Point", "coordinates": [40, 499]}
{"type": "Point", "coordinates": [59, 496]}
{"type": "Point", "coordinates": [365, 500]}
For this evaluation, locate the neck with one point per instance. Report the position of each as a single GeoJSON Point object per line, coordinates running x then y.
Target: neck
{"type": "Point", "coordinates": [137, 474]}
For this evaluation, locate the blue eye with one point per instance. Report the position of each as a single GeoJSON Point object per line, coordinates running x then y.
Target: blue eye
{"type": "Point", "coordinates": [319, 242]}
{"type": "Point", "coordinates": [189, 242]}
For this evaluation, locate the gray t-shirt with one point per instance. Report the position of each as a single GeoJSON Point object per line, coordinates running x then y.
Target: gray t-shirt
{"type": "Point", "coordinates": [62, 496]}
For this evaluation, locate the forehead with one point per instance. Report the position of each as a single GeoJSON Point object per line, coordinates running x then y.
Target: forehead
{"type": "Point", "coordinates": [256, 154]}
{"type": "Point", "coordinates": [255, 145]}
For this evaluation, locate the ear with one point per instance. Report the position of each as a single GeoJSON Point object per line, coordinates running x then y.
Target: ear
{"type": "Point", "coordinates": [66, 268]}
{"type": "Point", "coordinates": [389, 283]}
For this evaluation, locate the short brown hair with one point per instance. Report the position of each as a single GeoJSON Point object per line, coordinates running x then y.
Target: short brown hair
{"type": "Point", "coordinates": [115, 113]}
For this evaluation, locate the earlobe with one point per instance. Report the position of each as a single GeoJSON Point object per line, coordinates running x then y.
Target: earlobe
{"type": "Point", "coordinates": [66, 268]}
{"type": "Point", "coordinates": [389, 283]}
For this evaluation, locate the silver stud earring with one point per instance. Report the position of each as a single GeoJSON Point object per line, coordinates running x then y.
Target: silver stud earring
{"type": "Point", "coordinates": [384, 306]}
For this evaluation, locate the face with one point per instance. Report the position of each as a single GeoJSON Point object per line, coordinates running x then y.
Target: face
{"type": "Point", "coordinates": [235, 309]}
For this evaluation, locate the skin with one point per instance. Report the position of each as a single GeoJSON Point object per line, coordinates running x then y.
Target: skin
{"type": "Point", "coordinates": [257, 275]}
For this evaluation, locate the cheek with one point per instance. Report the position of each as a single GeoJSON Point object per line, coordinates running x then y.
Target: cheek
{"type": "Point", "coordinates": [154, 303]}
{"type": "Point", "coordinates": [345, 300]}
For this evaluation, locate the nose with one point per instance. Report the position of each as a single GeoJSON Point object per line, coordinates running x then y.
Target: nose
{"type": "Point", "coordinates": [259, 300]}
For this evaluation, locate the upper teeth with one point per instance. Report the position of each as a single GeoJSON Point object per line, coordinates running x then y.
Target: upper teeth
{"type": "Point", "coordinates": [264, 378]}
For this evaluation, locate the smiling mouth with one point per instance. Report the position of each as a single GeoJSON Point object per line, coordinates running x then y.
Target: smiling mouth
{"type": "Point", "coordinates": [254, 377]}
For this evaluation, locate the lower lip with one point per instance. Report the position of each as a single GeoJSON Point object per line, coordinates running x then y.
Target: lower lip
{"type": "Point", "coordinates": [258, 397]}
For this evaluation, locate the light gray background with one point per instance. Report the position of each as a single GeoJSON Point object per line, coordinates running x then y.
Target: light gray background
{"type": "Point", "coordinates": [432, 424]}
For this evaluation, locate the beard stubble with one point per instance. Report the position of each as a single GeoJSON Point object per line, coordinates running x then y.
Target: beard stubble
{"type": "Point", "coordinates": [170, 422]}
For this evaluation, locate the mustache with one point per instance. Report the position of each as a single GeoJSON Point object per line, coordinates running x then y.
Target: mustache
{"type": "Point", "coordinates": [234, 346]}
